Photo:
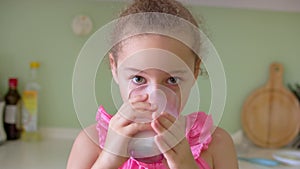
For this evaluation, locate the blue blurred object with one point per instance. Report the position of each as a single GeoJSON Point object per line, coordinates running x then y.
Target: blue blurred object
{"type": "Point", "coordinates": [261, 161]}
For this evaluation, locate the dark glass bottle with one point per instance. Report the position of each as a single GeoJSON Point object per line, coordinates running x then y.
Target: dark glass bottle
{"type": "Point", "coordinates": [2, 132]}
{"type": "Point", "coordinates": [12, 112]}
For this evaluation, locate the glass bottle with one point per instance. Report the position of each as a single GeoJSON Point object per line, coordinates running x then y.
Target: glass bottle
{"type": "Point", "coordinates": [12, 112]}
{"type": "Point", "coordinates": [2, 132]}
{"type": "Point", "coordinates": [30, 106]}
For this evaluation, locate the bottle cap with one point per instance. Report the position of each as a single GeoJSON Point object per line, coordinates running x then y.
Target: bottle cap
{"type": "Point", "coordinates": [34, 64]}
{"type": "Point", "coordinates": [13, 82]}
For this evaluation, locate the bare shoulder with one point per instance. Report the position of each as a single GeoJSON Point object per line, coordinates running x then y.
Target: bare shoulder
{"type": "Point", "coordinates": [222, 150]}
{"type": "Point", "coordinates": [89, 134]}
{"type": "Point", "coordinates": [85, 149]}
{"type": "Point", "coordinates": [221, 137]}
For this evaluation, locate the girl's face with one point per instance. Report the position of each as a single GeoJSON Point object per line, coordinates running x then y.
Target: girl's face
{"type": "Point", "coordinates": [155, 61]}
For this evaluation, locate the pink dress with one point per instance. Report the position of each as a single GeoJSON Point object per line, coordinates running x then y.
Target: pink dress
{"type": "Point", "coordinates": [198, 134]}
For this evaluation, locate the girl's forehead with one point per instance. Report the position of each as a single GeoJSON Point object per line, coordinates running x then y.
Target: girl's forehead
{"type": "Point", "coordinates": [155, 59]}
{"type": "Point", "coordinates": [139, 43]}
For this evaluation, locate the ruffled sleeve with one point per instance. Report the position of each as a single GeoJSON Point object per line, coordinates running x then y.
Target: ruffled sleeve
{"type": "Point", "coordinates": [198, 129]}
{"type": "Point", "coordinates": [102, 119]}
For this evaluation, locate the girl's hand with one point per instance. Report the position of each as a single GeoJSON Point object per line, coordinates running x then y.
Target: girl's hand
{"type": "Point", "coordinates": [171, 141]}
{"type": "Point", "coordinates": [124, 125]}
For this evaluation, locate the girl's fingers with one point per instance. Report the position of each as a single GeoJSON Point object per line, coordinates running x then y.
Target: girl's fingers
{"type": "Point", "coordinates": [170, 133]}
{"type": "Point", "coordinates": [169, 117]}
{"type": "Point", "coordinates": [131, 121]}
{"type": "Point", "coordinates": [135, 115]}
{"type": "Point", "coordinates": [178, 128]}
{"type": "Point", "coordinates": [125, 114]}
{"type": "Point", "coordinates": [119, 120]}
{"type": "Point", "coordinates": [174, 156]}
{"type": "Point", "coordinates": [118, 138]}
{"type": "Point", "coordinates": [132, 117]}
{"type": "Point", "coordinates": [134, 128]}
{"type": "Point", "coordinates": [120, 132]}
{"type": "Point", "coordinates": [137, 109]}
{"type": "Point", "coordinates": [138, 98]}
{"type": "Point", "coordinates": [127, 126]}
{"type": "Point", "coordinates": [167, 122]}
{"type": "Point", "coordinates": [140, 106]}
{"type": "Point", "coordinates": [161, 124]}
{"type": "Point", "coordinates": [163, 146]}
{"type": "Point", "coordinates": [116, 142]}
{"type": "Point", "coordinates": [168, 138]}
{"type": "Point", "coordinates": [139, 103]}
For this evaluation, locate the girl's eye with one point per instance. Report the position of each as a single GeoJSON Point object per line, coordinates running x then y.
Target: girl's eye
{"type": "Point", "coordinates": [173, 80]}
{"type": "Point", "coordinates": [138, 80]}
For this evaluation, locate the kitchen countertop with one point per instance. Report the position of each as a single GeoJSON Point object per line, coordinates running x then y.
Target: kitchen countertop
{"type": "Point", "coordinates": [46, 154]}
{"type": "Point", "coordinates": [52, 153]}
{"type": "Point", "coordinates": [256, 152]}
{"type": "Point", "coordinates": [245, 148]}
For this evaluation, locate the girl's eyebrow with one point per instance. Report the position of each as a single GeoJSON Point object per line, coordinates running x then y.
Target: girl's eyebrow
{"type": "Point", "coordinates": [179, 71]}
{"type": "Point", "coordinates": [132, 69]}
{"type": "Point", "coordinates": [183, 71]}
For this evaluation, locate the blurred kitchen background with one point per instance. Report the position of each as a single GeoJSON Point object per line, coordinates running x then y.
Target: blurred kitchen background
{"type": "Point", "coordinates": [248, 37]}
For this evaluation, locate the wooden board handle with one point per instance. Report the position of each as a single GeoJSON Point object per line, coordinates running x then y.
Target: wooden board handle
{"type": "Point", "coordinates": [276, 76]}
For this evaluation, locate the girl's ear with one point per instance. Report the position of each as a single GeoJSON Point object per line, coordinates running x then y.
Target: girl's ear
{"type": "Point", "coordinates": [197, 68]}
{"type": "Point", "coordinates": [113, 67]}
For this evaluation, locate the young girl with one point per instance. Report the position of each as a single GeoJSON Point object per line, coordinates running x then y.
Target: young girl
{"type": "Point", "coordinates": [144, 63]}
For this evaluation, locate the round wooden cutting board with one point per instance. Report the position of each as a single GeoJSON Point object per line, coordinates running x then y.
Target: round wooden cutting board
{"type": "Point", "coordinates": [271, 114]}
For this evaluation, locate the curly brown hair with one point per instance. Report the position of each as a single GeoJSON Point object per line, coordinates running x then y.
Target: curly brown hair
{"type": "Point", "coordinates": [128, 26]}
{"type": "Point", "coordinates": [171, 7]}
